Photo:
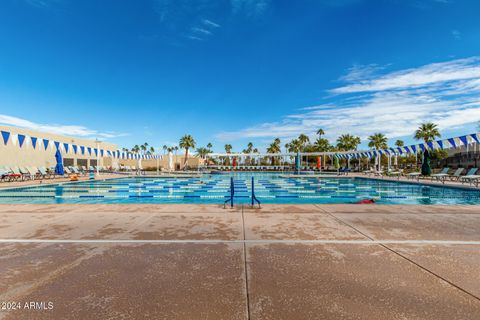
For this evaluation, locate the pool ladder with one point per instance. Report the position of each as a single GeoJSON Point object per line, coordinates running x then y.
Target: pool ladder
{"type": "Point", "coordinates": [232, 194]}
{"type": "Point", "coordinates": [254, 198]}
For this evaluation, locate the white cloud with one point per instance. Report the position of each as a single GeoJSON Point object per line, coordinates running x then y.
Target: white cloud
{"type": "Point", "coordinates": [68, 130]}
{"type": "Point", "coordinates": [210, 23]}
{"type": "Point", "coordinates": [456, 34]}
{"type": "Point", "coordinates": [251, 8]}
{"type": "Point", "coordinates": [201, 31]}
{"type": "Point", "coordinates": [194, 38]}
{"type": "Point", "coordinates": [395, 104]}
{"type": "Point", "coordinates": [455, 70]}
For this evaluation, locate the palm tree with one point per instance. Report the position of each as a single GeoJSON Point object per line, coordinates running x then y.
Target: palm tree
{"type": "Point", "coordinates": [202, 152]}
{"type": "Point", "coordinates": [209, 146]}
{"type": "Point", "coordinates": [399, 143]}
{"type": "Point", "coordinates": [136, 148]}
{"type": "Point", "coordinates": [143, 147]}
{"type": "Point", "coordinates": [295, 146]}
{"type": "Point", "coordinates": [249, 147]}
{"type": "Point", "coordinates": [152, 150]}
{"type": "Point", "coordinates": [165, 148]}
{"type": "Point", "coordinates": [427, 131]}
{"type": "Point", "coordinates": [320, 132]}
{"type": "Point", "coordinates": [322, 145]}
{"type": "Point", "coordinates": [303, 139]}
{"type": "Point", "coordinates": [274, 148]}
{"type": "Point", "coordinates": [228, 149]}
{"type": "Point", "coordinates": [378, 141]}
{"type": "Point", "coordinates": [187, 142]}
{"type": "Point", "coordinates": [347, 142]}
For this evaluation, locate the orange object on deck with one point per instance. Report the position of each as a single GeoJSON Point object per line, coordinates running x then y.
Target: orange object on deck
{"type": "Point", "coordinates": [73, 177]}
{"type": "Point", "coordinates": [319, 162]}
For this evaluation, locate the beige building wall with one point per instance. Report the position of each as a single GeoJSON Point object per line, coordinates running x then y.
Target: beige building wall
{"type": "Point", "coordinates": [14, 155]}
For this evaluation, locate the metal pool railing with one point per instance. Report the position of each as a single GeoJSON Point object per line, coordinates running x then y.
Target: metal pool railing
{"type": "Point", "coordinates": [254, 198]}
{"type": "Point", "coordinates": [232, 193]}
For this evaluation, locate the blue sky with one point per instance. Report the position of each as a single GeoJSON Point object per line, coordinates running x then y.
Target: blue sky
{"type": "Point", "coordinates": [234, 71]}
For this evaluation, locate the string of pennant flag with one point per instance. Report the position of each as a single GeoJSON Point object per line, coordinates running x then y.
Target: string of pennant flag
{"type": "Point", "coordinates": [44, 144]}
{"type": "Point", "coordinates": [415, 148]}
{"type": "Point", "coordinates": [38, 143]}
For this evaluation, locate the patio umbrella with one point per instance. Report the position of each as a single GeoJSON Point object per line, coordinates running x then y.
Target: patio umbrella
{"type": "Point", "coordinates": [426, 169]}
{"type": "Point", "coordinates": [59, 166]}
{"type": "Point", "coordinates": [297, 161]}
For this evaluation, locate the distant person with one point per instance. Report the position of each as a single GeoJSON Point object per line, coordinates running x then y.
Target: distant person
{"type": "Point", "coordinates": [366, 201]}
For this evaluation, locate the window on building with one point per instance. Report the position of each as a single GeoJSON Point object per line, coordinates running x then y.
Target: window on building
{"type": "Point", "coordinates": [67, 162]}
{"type": "Point", "coordinates": [82, 162]}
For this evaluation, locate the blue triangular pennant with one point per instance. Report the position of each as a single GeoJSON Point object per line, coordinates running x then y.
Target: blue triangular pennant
{"type": "Point", "coordinates": [89, 150]}
{"type": "Point", "coordinates": [21, 140]}
{"type": "Point", "coordinates": [440, 143]}
{"type": "Point", "coordinates": [463, 139]}
{"type": "Point", "coordinates": [46, 143]}
{"type": "Point", "coordinates": [452, 142]}
{"type": "Point", "coordinates": [5, 136]}
{"type": "Point", "coordinates": [475, 137]}
{"type": "Point", "coordinates": [74, 146]}
{"type": "Point", "coordinates": [34, 142]}
{"type": "Point", "coordinates": [57, 144]}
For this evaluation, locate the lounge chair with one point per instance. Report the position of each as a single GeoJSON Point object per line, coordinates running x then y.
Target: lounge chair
{"type": "Point", "coordinates": [25, 173]}
{"type": "Point", "coordinates": [397, 173]}
{"type": "Point", "coordinates": [366, 172]}
{"type": "Point", "coordinates": [43, 172]}
{"type": "Point", "coordinates": [4, 174]}
{"type": "Point", "coordinates": [33, 171]}
{"type": "Point", "coordinates": [442, 175]}
{"type": "Point", "coordinates": [456, 175]}
{"type": "Point", "coordinates": [471, 176]}
{"type": "Point", "coordinates": [414, 175]}
{"type": "Point", "coordinates": [13, 174]}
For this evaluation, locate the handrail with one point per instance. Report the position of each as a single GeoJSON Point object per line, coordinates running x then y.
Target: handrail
{"type": "Point", "coordinates": [232, 193]}
{"type": "Point", "coordinates": [254, 198]}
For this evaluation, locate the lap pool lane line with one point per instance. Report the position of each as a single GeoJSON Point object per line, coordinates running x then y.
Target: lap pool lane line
{"type": "Point", "coordinates": [383, 244]}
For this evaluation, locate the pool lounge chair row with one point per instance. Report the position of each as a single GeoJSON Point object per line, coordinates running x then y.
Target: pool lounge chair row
{"type": "Point", "coordinates": [471, 177]}
{"type": "Point", "coordinates": [23, 173]}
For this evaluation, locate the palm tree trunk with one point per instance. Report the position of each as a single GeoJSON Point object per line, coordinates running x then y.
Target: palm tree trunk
{"type": "Point", "coordinates": [186, 158]}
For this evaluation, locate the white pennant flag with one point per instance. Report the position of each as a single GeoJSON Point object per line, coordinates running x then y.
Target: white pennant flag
{"type": "Point", "coordinates": [14, 138]}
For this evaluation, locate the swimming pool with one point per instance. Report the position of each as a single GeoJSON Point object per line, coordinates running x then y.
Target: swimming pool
{"type": "Point", "coordinates": [214, 189]}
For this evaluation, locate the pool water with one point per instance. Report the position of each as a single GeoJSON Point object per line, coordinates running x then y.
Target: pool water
{"type": "Point", "coordinates": [214, 189]}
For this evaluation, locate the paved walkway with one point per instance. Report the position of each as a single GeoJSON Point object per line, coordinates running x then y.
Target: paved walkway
{"type": "Point", "coordinates": [204, 262]}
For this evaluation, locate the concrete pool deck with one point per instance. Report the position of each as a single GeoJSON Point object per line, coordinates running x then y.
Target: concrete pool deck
{"type": "Point", "coordinates": [206, 262]}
